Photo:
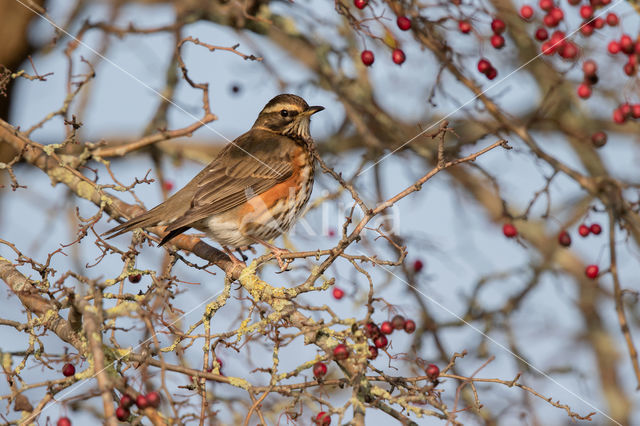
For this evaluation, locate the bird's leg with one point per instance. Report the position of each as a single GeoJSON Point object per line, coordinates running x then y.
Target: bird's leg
{"type": "Point", "coordinates": [242, 255]}
{"type": "Point", "coordinates": [234, 259]}
{"type": "Point", "coordinates": [277, 252]}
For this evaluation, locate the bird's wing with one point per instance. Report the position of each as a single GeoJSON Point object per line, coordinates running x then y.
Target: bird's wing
{"type": "Point", "coordinates": [254, 163]}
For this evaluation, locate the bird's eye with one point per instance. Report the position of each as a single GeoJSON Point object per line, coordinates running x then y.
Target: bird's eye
{"type": "Point", "coordinates": [284, 113]}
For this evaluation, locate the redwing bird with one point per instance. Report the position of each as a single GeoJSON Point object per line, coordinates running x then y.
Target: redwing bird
{"type": "Point", "coordinates": [253, 191]}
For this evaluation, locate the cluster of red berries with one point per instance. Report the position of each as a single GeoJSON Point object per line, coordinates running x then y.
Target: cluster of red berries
{"type": "Point", "coordinates": [485, 67]}
{"type": "Point", "coordinates": [625, 112]}
{"type": "Point", "coordinates": [585, 230]}
{"type": "Point", "coordinates": [590, 71]}
{"type": "Point", "coordinates": [559, 44]}
{"type": "Point", "coordinates": [397, 55]}
{"type": "Point", "coordinates": [629, 47]}
{"type": "Point", "coordinates": [152, 399]}
{"type": "Point", "coordinates": [379, 334]}
{"type": "Point", "coordinates": [497, 26]}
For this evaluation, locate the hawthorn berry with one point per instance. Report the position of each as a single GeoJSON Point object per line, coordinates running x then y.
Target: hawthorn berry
{"type": "Point", "coordinates": [595, 229]}
{"type": "Point", "coordinates": [135, 278]}
{"type": "Point", "coordinates": [360, 4]}
{"type": "Point", "coordinates": [417, 266]}
{"type": "Point", "coordinates": [323, 419]}
{"type": "Point", "coordinates": [398, 56]}
{"type": "Point", "coordinates": [627, 45]}
{"type": "Point", "coordinates": [526, 12]}
{"type": "Point", "coordinates": [373, 352]}
{"type": "Point", "coordinates": [464, 26]}
{"type": "Point", "coordinates": [153, 399]}
{"type": "Point", "coordinates": [549, 21]}
{"type": "Point", "coordinates": [404, 23]}
{"type": "Point", "coordinates": [509, 230]}
{"type": "Point", "coordinates": [497, 41]}
{"type": "Point", "coordinates": [589, 67]}
{"type": "Point", "coordinates": [630, 69]}
{"type": "Point", "coordinates": [635, 111]}
{"type": "Point", "coordinates": [126, 401]}
{"type": "Point", "coordinates": [542, 34]}
{"type": "Point", "coordinates": [167, 185]}
{"type": "Point", "coordinates": [141, 402]}
{"type": "Point", "coordinates": [599, 139]}
{"type": "Point", "coordinates": [122, 413]}
{"type": "Point", "coordinates": [381, 341]}
{"type": "Point", "coordinates": [398, 322]}
{"type": "Point", "coordinates": [625, 108]}
{"type": "Point", "coordinates": [367, 57]}
{"type": "Point", "coordinates": [492, 73]}
{"type": "Point", "coordinates": [545, 5]}
{"type": "Point", "coordinates": [432, 371]}
{"type": "Point", "coordinates": [386, 327]}
{"type": "Point", "coordinates": [63, 421]}
{"type": "Point", "coordinates": [564, 239]}
{"type": "Point", "coordinates": [618, 116]}
{"type": "Point", "coordinates": [340, 352]}
{"type": "Point", "coordinates": [586, 11]}
{"type": "Point", "coordinates": [557, 14]}
{"type": "Point", "coordinates": [498, 26]}
{"type": "Point", "coordinates": [613, 47]}
{"type": "Point", "coordinates": [587, 29]}
{"type": "Point", "coordinates": [569, 51]}
{"type": "Point", "coordinates": [484, 66]}
{"type": "Point", "coordinates": [319, 369]}
{"type": "Point", "coordinates": [371, 330]}
{"type": "Point", "coordinates": [338, 293]}
{"type": "Point", "coordinates": [547, 48]}
{"type": "Point", "coordinates": [598, 23]}
{"type": "Point", "coordinates": [612, 19]}
{"type": "Point", "coordinates": [592, 271]}
{"type": "Point", "coordinates": [584, 91]}
{"type": "Point", "coordinates": [409, 326]}
{"type": "Point", "coordinates": [68, 370]}
{"type": "Point", "coordinates": [583, 230]}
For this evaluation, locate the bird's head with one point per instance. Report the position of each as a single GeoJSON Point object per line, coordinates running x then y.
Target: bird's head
{"type": "Point", "coordinates": [287, 115]}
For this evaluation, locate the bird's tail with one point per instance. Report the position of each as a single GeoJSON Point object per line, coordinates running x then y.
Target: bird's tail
{"type": "Point", "coordinates": [150, 218]}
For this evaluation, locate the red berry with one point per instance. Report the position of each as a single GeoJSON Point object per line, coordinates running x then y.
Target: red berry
{"type": "Point", "coordinates": [589, 67]}
{"type": "Point", "coordinates": [595, 229]}
{"type": "Point", "coordinates": [564, 239]}
{"type": "Point", "coordinates": [404, 23]}
{"type": "Point", "coordinates": [549, 21]}
{"type": "Point", "coordinates": [557, 14]}
{"type": "Point", "coordinates": [492, 73]}
{"type": "Point", "coordinates": [68, 370]}
{"type": "Point", "coordinates": [371, 330]}
{"type": "Point", "coordinates": [398, 322]}
{"type": "Point", "coordinates": [432, 371]}
{"type": "Point", "coordinates": [569, 51]}
{"type": "Point", "coordinates": [586, 11]}
{"type": "Point", "coordinates": [464, 26]}
{"type": "Point", "coordinates": [484, 66]}
{"type": "Point", "coordinates": [598, 23]}
{"type": "Point", "coordinates": [417, 266]}
{"type": "Point", "coordinates": [613, 47]}
{"type": "Point", "coordinates": [526, 12]}
{"type": "Point", "coordinates": [319, 369]}
{"type": "Point", "coordinates": [630, 69]}
{"type": "Point", "coordinates": [509, 230]}
{"type": "Point", "coordinates": [409, 326]}
{"type": "Point", "coordinates": [635, 110]}
{"type": "Point", "coordinates": [63, 421]}
{"type": "Point", "coordinates": [398, 56]}
{"type": "Point", "coordinates": [135, 278]}
{"type": "Point", "coordinates": [583, 230]}
{"type": "Point", "coordinates": [627, 45]}
{"type": "Point", "coordinates": [367, 57]}
{"type": "Point", "coordinates": [545, 4]}
{"type": "Point", "coordinates": [584, 91]}
{"type": "Point", "coordinates": [153, 399]}
{"type": "Point", "coordinates": [167, 185]}
{"type": "Point", "coordinates": [122, 413]}
{"type": "Point", "coordinates": [381, 341]}
{"type": "Point", "coordinates": [360, 4]}
{"type": "Point", "coordinates": [558, 38]}
{"type": "Point", "coordinates": [497, 41]}
{"type": "Point", "coordinates": [373, 352]}
{"type": "Point", "coordinates": [586, 30]}
{"type": "Point", "coordinates": [340, 352]}
{"type": "Point", "coordinates": [323, 419]}
{"type": "Point", "coordinates": [547, 48]}
{"type": "Point", "coordinates": [612, 19]}
{"type": "Point", "coordinates": [541, 34]}
{"type": "Point", "coordinates": [338, 293]}
{"type": "Point", "coordinates": [141, 402]}
{"type": "Point", "coordinates": [498, 26]}
{"type": "Point", "coordinates": [126, 401]}
{"type": "Point", "coordinates": [592, 271]}
{"type": "Point", "coordinates": [618, 116]}
{"type": "Point", "coordinates": [386, 327]}
{"type": "Point", "coordinates": [599, 139]}
{"type": "Point", "coordinates": [626, 109]}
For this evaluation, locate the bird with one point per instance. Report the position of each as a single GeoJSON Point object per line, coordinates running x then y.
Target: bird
{"type": "Point", "coordinates": [253, 191]}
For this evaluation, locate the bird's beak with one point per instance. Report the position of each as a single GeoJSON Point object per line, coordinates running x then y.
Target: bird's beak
{"type": "Point", "coordinates": [313, 109]}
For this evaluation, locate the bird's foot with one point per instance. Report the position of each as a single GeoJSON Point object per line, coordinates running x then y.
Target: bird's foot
{"type": "Point", "coordinates": [278, 252]}
{"type": "Point", "coordinates": [234, 259]}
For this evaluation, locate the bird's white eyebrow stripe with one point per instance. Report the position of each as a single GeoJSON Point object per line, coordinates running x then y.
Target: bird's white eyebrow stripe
{"type": "Point", "coordinates": [280, 106]}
